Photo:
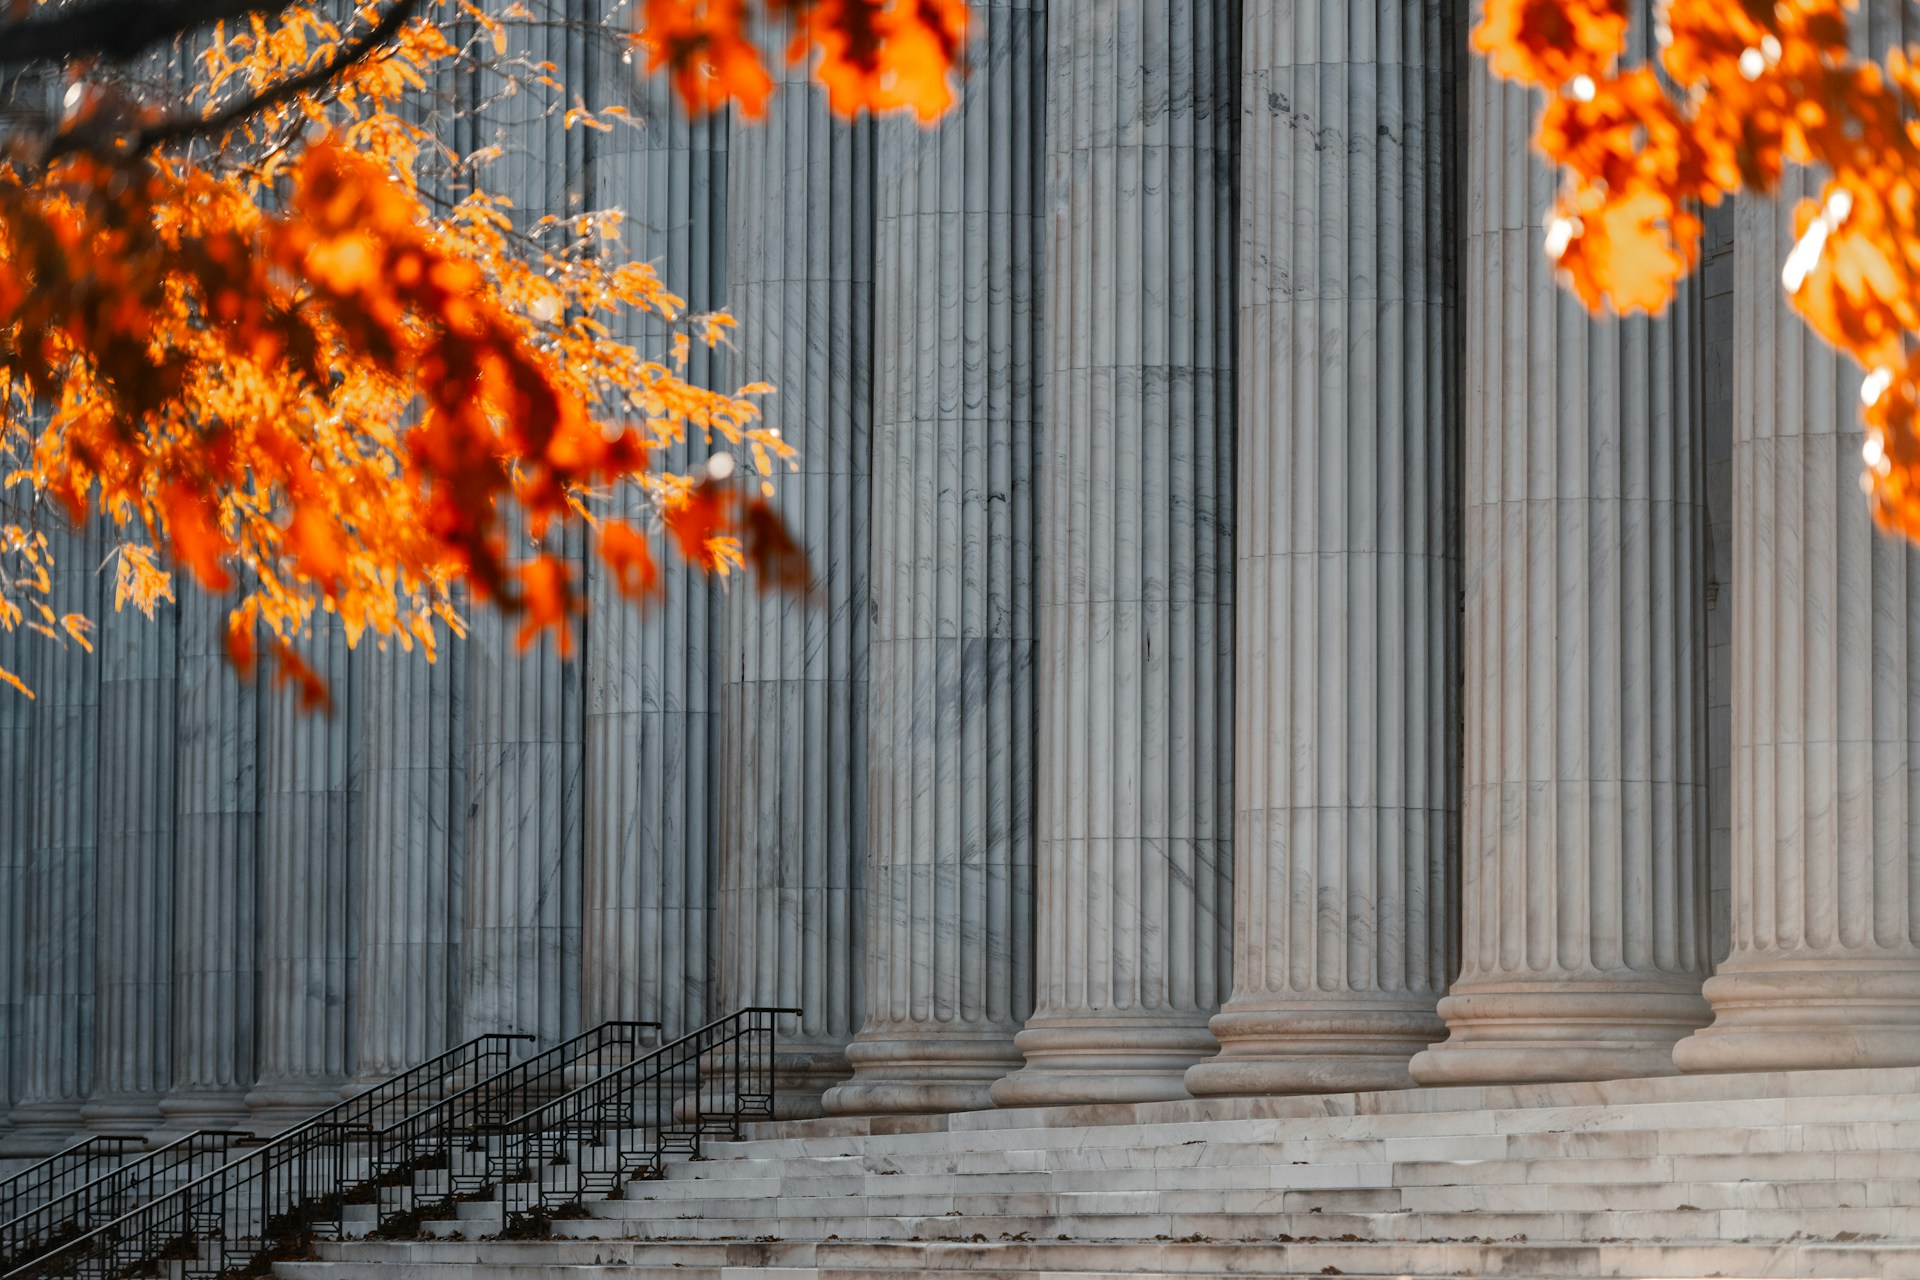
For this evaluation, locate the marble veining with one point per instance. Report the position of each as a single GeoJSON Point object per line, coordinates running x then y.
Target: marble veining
{"type": "Point", "coordinates": [950, 735]}
{"type": "Point", "coordinates": [1346, 786]}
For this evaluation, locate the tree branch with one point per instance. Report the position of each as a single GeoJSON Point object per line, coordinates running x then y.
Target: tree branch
{"type": "Point", "coordinates": [118, 29]}
{"type": "Point", "coordinates": [183, 127]}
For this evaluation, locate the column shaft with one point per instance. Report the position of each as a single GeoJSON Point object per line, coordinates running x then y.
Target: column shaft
{"type": "Point", "coordinates": [949, 927]}
{"type": "Point", "coordinates": [651, 727]}
{"type": "Point", "coordinates": [1135, 553]}
{"type": "Point", "coordinates": [18, 654]}
{"type": "Point", "coordinates": [1584, 934]}
{"type": "Point", "coordinates": [407, 892]}
{"type": "Point", "coordinates": [307, 852]}
{"type": "Point", "coordinates": [793, 689]}
{"type": "Point", "coordinates": [216, 913]}
{"type": "Point", "coordinates": [57, 1059]}
{"type": "Point", "coordinates": [521, 948]}
{"type": "Point", "coordinates": [138, 739]}
{"type": "Point", "coordinates": [524, 741]}
{"type": "Point", "coordinates": [1825, 966]}
{"type": "Point", "coordinates": [1345, 785]}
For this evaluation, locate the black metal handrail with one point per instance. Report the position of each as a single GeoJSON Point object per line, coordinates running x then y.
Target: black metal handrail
{"type": "Point", "coordinates": [48, 1225]}
{"type": "Point", "coordinates": [271, 1201]}
{"type": "Point", "coordinates": [61, 1172]}
{"type": "Point", "coordinates": [623, 1126]}
{"type": "Point", "coordinates": [464, 1120]}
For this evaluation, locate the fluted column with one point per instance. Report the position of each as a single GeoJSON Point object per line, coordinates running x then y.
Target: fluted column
{"type": "Point", "coordinates": [1825, 966]}
{"type": "Point", "coordinates": [217, 840]}
{"type": "Point", "coordinates": [18, 654]}
{"type": "Point", "coordinates": [525, 756]}
{"type": "Point", "coordinates": [57, 1059]}
{"type": "Point", "coordinates": [1135, 552]}
{"type": "Point", "coordinates": [521, 940]}
{"type": "Point", "coordinates": [949, 895]}
{"type": "Point", "coordinates": [408, 891]}
{"type": "Point", "coordinates": [138, 739]}
{"type": "Point", "coordinates": [1583, 899]}
{"type": "Point", "coordinates": [1345, 785]}
{"type": "Point", "coordinates": [307, 852]}
{"type": "Point", "coordinates": [648, 939]}
{"type": "Point", "coordinates": [793, 689]}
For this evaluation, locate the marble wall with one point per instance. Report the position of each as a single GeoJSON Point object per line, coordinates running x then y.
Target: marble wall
{"type": "Point", "coordinates": [1246, 591]}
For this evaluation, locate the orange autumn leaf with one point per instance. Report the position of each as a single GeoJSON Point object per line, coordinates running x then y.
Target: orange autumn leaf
{"type": "Point", "coordinates": [291, 670]}
{"type": "Point", "coordinates": [697, 517]}
{"type": "Point", "coordinates": [1745, 90]}
{"type": "Point", "coordinates": [870, 55]}
{"type": "Point", "coordinates": [389, 381]}
{"type": "Point", "coordinates": [624, 550]}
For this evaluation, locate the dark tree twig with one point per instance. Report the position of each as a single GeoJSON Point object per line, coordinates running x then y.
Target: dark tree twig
{"type": "Point", "coordinates": [181, 128]}
{"type": "Point", "coordinates": [118, 29]}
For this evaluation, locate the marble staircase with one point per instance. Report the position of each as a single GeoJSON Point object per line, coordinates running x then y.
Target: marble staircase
{"type": "Point", "coordinates": [1810, 1174]}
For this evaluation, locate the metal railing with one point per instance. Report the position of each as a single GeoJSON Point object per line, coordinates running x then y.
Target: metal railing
{"type": "Point", "coordinates": [66, 1217]}
{"type": "Point", "coordinates": [623, 1126]}
{"type": "Point", "coordinates": [462, 1126]}
{"type": "Point", "coordinates": [272, 1201]}
{"type": "Point", "coordinates": [58, 1174]}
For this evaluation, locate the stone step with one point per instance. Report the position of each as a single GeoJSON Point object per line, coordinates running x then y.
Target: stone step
{"type": "Point", "coordinates": [1199, 1167]}
{"type": "Point", "coordinates": [1739, 1113]}
{"type": "Point", "coordinates": [1118, 1222]}
{"type": "Point", "coordinates": [1138, 1260]}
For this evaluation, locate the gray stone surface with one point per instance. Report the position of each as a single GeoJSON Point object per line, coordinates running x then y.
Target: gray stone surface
{"type": "Point", "coordinates": [1346, 785]}
{"type": "Point", "coordinates": [648, 939]}
{"type": "Point", "coordinates": [1080, 658]}
{"type": "Point", "coordinates": [139, 715]}
{"type": "Point", "coordinates": [216, 921]}
{"type": "Point", "coordinates": [407, 893]}
{"type": "Point", "coordinates": [949, 894]}
{"type": "Point", "coordinates": [1583, 898]}
{"type": "Point", "coordinates": [308, 850]}
{"type": "Point", "coordinates": [793, 682]}
{"type": "Point", "coordinates": [57, 970]}
{"type": "Point", "coordinates": [1824, 971]}
{"type": "Point", "coordinates": [524, 738]}
{"type": "Point", "coordinates": [19, 652]}
{"type": "Point", "coordinates": [1133, 771]}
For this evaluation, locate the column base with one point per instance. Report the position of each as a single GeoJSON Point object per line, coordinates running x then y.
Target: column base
{"type": "Point", "coordinates": [916, 1068]}
{"type": "Point", "coordinates": [1078, 1061]}
{"type": "Point", "coordinates": [278, 1105]}
{"type": "Point", "coordinates": [189, 1109]}
{"type": "Point", "coordinates": [1279, 1045]}
{"type": "Point", "coordinates": [44, 1128]}
{"type": "Point", "coordinates": [1538, 1033]}
{"type": "Point", "coordinates": [123, 1113]}
{"type": "Point", "coordinates": [1812, 1016]}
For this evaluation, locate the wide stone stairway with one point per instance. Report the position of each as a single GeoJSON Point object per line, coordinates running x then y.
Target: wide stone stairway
{"type": "Point", "coordinates": [1813, 1174]}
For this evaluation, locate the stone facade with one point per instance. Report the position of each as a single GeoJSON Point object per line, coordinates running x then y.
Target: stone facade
{"type": "Point", "coordinates": [1267, 640]}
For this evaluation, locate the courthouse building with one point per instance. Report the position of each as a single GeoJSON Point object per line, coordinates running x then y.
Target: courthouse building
{"type": "Point", "coordinates": [1268, 639]}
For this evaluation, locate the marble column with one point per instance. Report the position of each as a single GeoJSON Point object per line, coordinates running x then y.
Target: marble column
{"type": "Point", "coordinates": [1583, 898]}
{"type": "Point", "coordinates": [521, 931]}
{"type": "Point", "coordinates": [58, 1006]}
{"type": "Point", "coordinates": [648, 940]}
{"type": "Point", "coordinates": [525, 754]}
{"type": "Point", "coordinates": [307, 854]}
{"type": "Point", "coordinates": [793, 687]}
{"type": "Point", "coordinates": [1135, 552]}
{"type": "Point", "coordinates": [1347, 629]}
{"type": "Point", "coordinates": [18, 654]}
{"type": "Point", "coordinates": [139, 700]}
{"type": "Point", "coordinates": [408, 893]}
{"type": "Point", "coordinates": [1824, 970]}
{"type": "Point", "coordinates": [217, 841]}
{"type": "Point", "coordinates": [949, 894]}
